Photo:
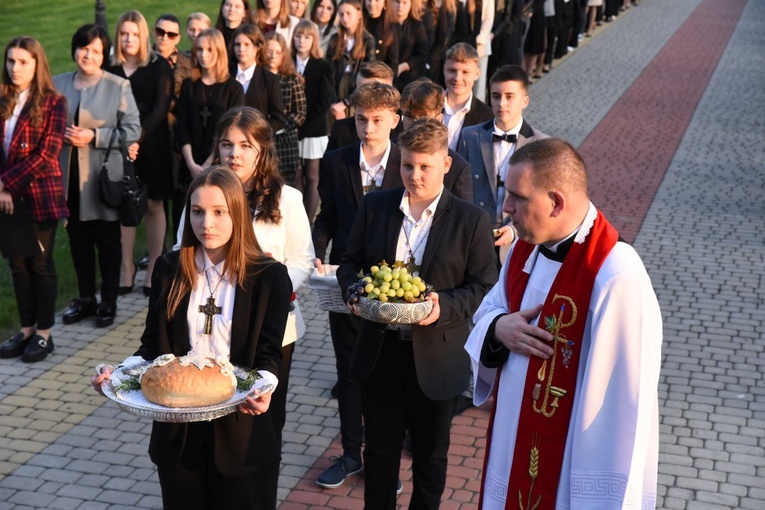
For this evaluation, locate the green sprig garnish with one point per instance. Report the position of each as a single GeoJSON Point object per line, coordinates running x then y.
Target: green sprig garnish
{"type": "Point", "coordinates": [247, 383]}
{"type": "Point", "coordinates": [132, 383]}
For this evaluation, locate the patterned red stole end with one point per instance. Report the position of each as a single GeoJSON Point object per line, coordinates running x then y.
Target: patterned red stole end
{"type": "Point", "coordinates": [548, 395]}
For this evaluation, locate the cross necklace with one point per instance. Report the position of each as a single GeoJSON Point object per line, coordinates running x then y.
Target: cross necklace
{"type": "Point", "coordinates": [206, 114]}
{"type": "Point", "coordinates": [411, 265]}
{"type": "Point", "coordinates": [209, 309]}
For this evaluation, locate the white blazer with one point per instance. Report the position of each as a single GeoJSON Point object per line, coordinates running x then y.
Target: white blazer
{"type": "Point", "coordinates": [290, 243]}
{"type": "Point", "coordinates": [289, 31]}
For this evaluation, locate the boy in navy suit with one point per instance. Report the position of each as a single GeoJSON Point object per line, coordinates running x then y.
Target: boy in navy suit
{"type": "Point", "coordinates": [345, 176]}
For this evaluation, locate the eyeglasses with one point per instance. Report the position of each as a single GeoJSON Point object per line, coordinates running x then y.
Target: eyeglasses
{"type": "Point", "coordinates": [163, 33]}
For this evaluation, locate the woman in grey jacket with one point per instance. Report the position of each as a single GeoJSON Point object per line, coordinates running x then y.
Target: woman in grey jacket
{"type": "Point", "coordinates": [98, 104]}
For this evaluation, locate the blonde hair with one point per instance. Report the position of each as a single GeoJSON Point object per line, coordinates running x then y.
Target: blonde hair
{"type": "Point", "coordinates": [220, 67]}
{"type": "Point", "coordinates": [199, 16]}
{"type": "Point", "coordinates": [144, 48]}
{"type": "Point", "coordinates": [426, 135]}
{"type": "Point", "coordinates": [242, 248]}
{"type": "Point", "coordinates": [462, 53]}
{"type": "Point", "coordinates": [417, 11]}
{"type": "Point", "coordinates": [308, 27]}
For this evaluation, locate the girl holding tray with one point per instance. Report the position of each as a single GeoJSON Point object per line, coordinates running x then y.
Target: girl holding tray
{"type": "Point", "coordinates": [216, 464]}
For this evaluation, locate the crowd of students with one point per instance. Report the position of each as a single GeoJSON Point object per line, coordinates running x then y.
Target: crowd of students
{"type": "Point", "coordinates": [308, 108]}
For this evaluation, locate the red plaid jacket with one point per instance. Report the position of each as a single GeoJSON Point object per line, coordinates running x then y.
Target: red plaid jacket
{"type": "Point", "coordinates": [31, 168]}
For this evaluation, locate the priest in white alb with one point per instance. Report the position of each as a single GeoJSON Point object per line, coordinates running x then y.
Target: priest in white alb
{"type": "Point", "coordinates": [568, 342]}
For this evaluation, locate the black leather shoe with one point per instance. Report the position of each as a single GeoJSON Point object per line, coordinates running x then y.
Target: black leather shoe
{"type": "Point", "coordinates": [38, 349]}
{"type": "Point", "coordinates": [14, 346]}
{"type": "Point", "coordinates": [78, 310]}
{"type": "Point", "coordinates": [105, 315]}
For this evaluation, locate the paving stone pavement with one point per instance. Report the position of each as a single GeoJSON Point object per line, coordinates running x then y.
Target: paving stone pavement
{"type": "Point", "coordinates": [703, 241]}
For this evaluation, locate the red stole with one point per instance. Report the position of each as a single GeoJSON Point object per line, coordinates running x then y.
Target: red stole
{"type": "Point", "coordinates": [548, 395]}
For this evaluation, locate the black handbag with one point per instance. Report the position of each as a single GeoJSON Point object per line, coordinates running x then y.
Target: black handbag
{"type": "Point", "coordinates": [135, 197]}
{"type": "Point", "coordinates": [129, 194]}
{"type": "Point", "coordinates": [110, 192]}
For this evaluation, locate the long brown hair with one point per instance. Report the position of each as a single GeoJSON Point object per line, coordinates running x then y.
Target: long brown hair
{"type": "Point", "coordinates": [390, 19]}
{"type": "Point", "coordinates": [287, 67]}
{"type": "Point", "coordinates": [242, 247]}
{"type": "Point", "coordinates": [359, 48]}
{"type": "Point", "coordinates": [284, 14]}
{"type": "Point", "coordinates": [267, 181]}
{"type": "Point", "coordinates": [254, 34]}
{"type": "Point", "coordinates": [42, 84]}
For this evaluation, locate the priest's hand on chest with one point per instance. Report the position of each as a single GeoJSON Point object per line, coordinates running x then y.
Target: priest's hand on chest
{"type": "Point", "coordinates": [519, 336]}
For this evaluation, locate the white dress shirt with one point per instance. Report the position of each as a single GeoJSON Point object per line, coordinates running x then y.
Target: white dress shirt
{"type": "Point", "coordinates": [244, 76]}
{"type": "Point", "coordinates": [288, 242]}
{"type": "Point", "coordinates": [10, 123]}
{"type": "Point", "coordinates": [413, 237]}
{"type": "Point", "coordinates": [300, 65]}
{"type": "Point", "coordinates": [373, 174]}
{"type": "Point", "coordinates": [455, 119]}
{"type": "Point", "coordinates": [502, 152]}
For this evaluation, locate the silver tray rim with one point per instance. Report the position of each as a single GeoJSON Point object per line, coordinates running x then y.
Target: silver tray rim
{"type": "Point", "coordinates": [180, 414]}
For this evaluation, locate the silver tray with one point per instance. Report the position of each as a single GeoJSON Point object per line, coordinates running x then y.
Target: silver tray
{"type": "Point", "coordinates": [134, 401]}
{"type": "Point", "coordinates": [394, 313]}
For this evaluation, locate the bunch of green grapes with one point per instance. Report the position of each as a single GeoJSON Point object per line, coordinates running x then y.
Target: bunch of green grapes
{"type": "Point", "coordinates": [389, 284]}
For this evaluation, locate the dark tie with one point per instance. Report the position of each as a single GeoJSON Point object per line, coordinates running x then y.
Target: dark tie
{"type": "Point", "coordinates": [504, 138]}
{"type": "Point", "coordinates": [560, 254]}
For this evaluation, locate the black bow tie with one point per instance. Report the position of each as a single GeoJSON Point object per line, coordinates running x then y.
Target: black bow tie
{"type": "Point", "coordinates": [558, 255]}
{"type": "Point", "coordinates": [504, 138]}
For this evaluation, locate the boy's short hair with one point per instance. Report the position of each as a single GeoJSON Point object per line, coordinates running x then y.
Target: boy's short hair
{"type": "Point", "coordinates": [427, 135]}
{"type": "Point", "coordinates": [422, 97]}
{"type": "Point", "coordinates": [510, 73]}
{"type": "Point", "coordinates": [462, 52]}
{"type": "Point", "coordinates": [376, 96]}
{"type": "Point", "coordinates": [375, 69]}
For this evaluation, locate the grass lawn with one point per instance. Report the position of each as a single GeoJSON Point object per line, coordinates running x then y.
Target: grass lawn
{"type": "Point", "coordinates": [53, 23]}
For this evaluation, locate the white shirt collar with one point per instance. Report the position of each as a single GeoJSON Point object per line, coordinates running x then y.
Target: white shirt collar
{"type": "Point", "coordinates": [247, 72]}
{"type": "Point", "coordinates": [204, 263]}
{"type": "Point", "coordinates": [514, 131]}
{"type": "Point", "coordinates": [430, 210]}
{"type": "Point", "coordinates": [449, 111]}
{"type": "Point", "coordinates": [383, 162]}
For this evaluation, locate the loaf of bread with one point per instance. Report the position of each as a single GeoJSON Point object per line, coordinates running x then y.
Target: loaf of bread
{"type": "Point", "coordinates": [188, 381]}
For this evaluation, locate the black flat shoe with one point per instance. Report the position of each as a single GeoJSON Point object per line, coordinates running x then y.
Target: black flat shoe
{"type": "Point", "coordinates": [78, 310]}
{"type": "Point", "coordinates": [146, 291]}
{"type": "Point", "coordinates": [128, 290]}
{"type": "Point", "coordinates": [38, 349]}
{"type": "Point", "coordinates": [14, 346]}
{"type": "Point", "coordinates": [105, 315]}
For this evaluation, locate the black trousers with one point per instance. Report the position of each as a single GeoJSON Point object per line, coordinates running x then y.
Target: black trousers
{"type": "Point", "coordinates": [195, 483]}
{"type": "Point", "coordinates": [344, 328]}
{"type": "Point", "coordinates": [84, 238]}
{"type": "Point", "coordinates": [34, 280]}
{"type": "Point", "coordinates": [268, 477]}
{"type": "Point", "coordinates": [393, 403]}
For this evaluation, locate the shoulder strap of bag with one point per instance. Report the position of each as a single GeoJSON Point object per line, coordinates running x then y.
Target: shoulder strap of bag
{"type": "Point", "coordinates": [109, 148]}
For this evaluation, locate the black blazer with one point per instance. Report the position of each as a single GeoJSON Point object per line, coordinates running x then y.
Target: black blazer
{"type": "Point", "coordinates": [319, 96]}
{"type": "Point", "coordinates": [242, 442]}
{"type": "Point", "coordinates": [341, 192]}
{"type": "Point", "coordinates": [338, 66]}
{"type": "Point", "coordinates": [413, 49]}
{"type": "Point", "coordinates": [459, 262]}
{"type": "Point", "coordinates": [265, 95]}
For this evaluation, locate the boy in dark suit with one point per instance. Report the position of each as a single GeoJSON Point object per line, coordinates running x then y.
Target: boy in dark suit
{"type": "Point", "coordinates": [345, 176]}
{"type": "Point", "coordinates": [461, 109]}
{"type": "Point", "coordinates": [411, 375]}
